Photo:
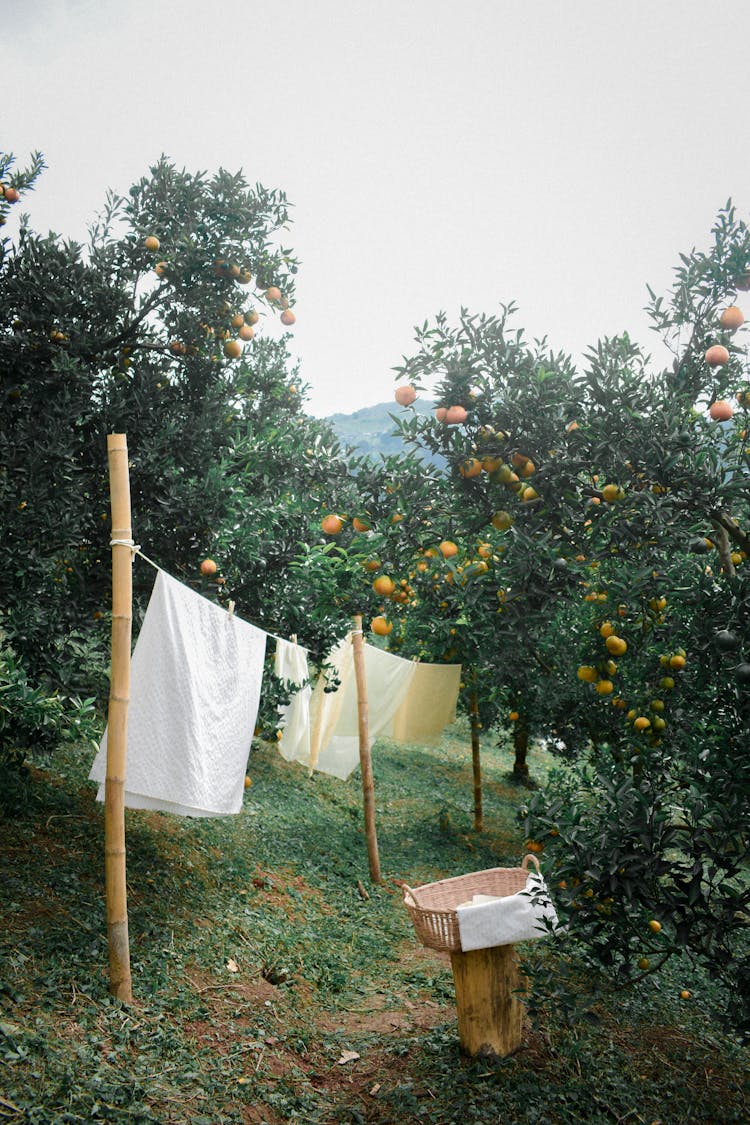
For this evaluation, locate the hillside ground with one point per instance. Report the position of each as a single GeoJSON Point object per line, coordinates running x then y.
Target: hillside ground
{"type": "Point", "coordinates": [274, 983]}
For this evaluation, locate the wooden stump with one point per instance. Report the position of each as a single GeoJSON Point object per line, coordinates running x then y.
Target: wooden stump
{"type": "Point", "coordinates": [490, 1011]}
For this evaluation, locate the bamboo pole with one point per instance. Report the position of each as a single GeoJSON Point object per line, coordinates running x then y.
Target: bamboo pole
{"type": "Point", "coordinates": [365, 761]}
{"type": "Point", "coordinates": [120, 983]}
{"type": "Point", "coordinates": [476, 764]}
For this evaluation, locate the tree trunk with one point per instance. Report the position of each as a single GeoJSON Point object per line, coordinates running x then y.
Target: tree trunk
{"type": "Point", "coordinates": [521, 747]}
{"type": "Point", "coordinates": [476, 764]}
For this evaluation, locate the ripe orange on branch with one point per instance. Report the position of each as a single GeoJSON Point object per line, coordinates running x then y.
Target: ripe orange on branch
{"type": "Point", "coordinates": [448, 549]}
{"type": "Point", "coordinates": [208, 567]}
{"type": "Point", "coordinates": [616, 646]}
{"type": "Point", "coordinates": [151, 242]}
{"type": "Point", "coordinates": [406, 395]}
{"type": "Point", "coordinates": [456, 415]}
{"type": "Point", "coordinates": [721, 410]}
{"type": "Point", "coordinates": [717, 355]}
{"type": "Point", "coordinates": [332, 524]}
{"type": "Point", "coordinates": [381, 626]}
{"type": "Point", "coordinates": [732, 318]}
{"type": "Point", "coordinates": [384, 585]}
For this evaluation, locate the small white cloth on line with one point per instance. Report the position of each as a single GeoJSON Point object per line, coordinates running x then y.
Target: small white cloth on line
{"type": "Point", "coordinates": [195, 684]}
{"type": "Point", "coordinates": [489, 920]}
{"type": "Point", "coordinates": [290, 665]}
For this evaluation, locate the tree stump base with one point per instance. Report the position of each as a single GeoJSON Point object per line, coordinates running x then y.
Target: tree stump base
{"type": "Point", "coordinates": [490, 1010]}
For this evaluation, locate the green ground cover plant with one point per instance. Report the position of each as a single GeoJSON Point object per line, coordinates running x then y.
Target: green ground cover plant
{"type": "Point", "coordinates": [274, 983]}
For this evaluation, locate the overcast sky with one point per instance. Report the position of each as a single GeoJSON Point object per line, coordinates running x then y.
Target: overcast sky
{"type": "Point", "coordinates": [438, 153]}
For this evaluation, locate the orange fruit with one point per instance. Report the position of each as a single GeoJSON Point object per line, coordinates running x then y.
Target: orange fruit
{"type": "Point", "coordinates": [406, 395]}
{"type": "Point", "coordinates": [612, 492]}
{"type": "Point", "coordinates": [287, 318]}
{"type": "Point", "coordinates": [456, 415]}
{"type": "Point", "coordinates": [642, 723]}
{"type": "Point", "coordinates": [233, 349]}
{"type": "Point", "coordinates": [654, 925]}
{"type": "Point", "coordinates": [587, 674]}
{"type": "Point", "coordinates": [721, 410]}
{"type": "Point", "coordinates": [717, 355]}
{"type": "Point", "coordinates": [332, 524]}
{"type": "Point", "coordinates": [732, 318]}
{"type": "Point", "coordinates": [372, 564]}
{"type": "Point", "coordinates": [469, 468]}
{"type": "Point", "coordinates": [151, 242]}
{"type": "Point", "coordinates": [381, 626]}
{"type": "Point", "coordinates": [273, 293]}
{"type": "Point", "coordinates": [161, 268]}
{"type": "Point", "coordinates": [248, 781]}
{"type": "Point", "coordinates": [440, 413]}
{"type": "Point", "coordinates": [684, 994]}
{"type": "Point", "coordinates": [528, 494]}
{"type": "Point", "coordinates": [208, 567]}
{"type": "Point", "coordinates": [448, 549]}
{"type": "Point", "coordinates": [246, 332]}
{"type": "Point", "coordinates": [616, 646]}
{"type": "Point", "coordinates": [605, 687]}
{"type": "Point", "coordinates": [514, 717]}
{"type": "Point", "coordinates": [677, 661]}
{"type": "Point", "coordinates": [606, 629]}
{"type": "Point", "coordinates": [360, 525]}
{"type": "Point", "coordinates": [252, 317]}
{"type": "Point", "coordinates": [238, 320]}
{"type": "Point", "coordinates": [383, 585]}
{"type": "Point", "coordinates": [501, 521]}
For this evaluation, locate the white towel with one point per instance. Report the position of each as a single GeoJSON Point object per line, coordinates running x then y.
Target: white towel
{"type": "Point", "coordinates": [195, 686]}
{"type": "Point", "coordinates": [488, 921]}
{"type": "Point", "coordinates": [291, 666]}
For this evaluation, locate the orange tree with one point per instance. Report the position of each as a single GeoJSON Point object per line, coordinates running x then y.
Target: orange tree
{"type": "Point", "coordinates": [154, 329]}
{"type": "Point", "coordinates": [633, 470]}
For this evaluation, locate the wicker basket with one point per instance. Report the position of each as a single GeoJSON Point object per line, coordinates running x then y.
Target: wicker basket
{"type": "Point", "coordinates": [432, 907]}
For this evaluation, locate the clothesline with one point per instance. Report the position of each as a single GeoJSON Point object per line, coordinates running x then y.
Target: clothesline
{"type": "Point", "coordinates": [136, 550]}
{"type": "Point", "coordinates": [195, 691]}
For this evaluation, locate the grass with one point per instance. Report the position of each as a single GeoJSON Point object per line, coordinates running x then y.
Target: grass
{"type": "Point", "coordinates": [322, 973]}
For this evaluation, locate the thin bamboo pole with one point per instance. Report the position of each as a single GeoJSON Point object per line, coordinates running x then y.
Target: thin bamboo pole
{"type": "Point", "coordinates": [365, 761]}
{"type": "Point", "coordinates": [120, 983]}
{"type": "Point", "coordinates": [476, 764]}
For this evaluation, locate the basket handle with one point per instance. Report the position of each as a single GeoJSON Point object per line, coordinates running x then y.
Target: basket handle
{"type": "Point", "coordinates": [534, 860]}
{"type": "Point", "coordinates": [408, 891]}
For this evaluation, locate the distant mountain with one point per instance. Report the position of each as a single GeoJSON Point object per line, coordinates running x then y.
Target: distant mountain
{"type": "Point", "coordinates": [371, 431]}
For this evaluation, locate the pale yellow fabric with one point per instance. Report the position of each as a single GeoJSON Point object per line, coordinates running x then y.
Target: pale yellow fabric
{"type": "Point", "coordinates": [335, 739]}
{"type": "Point", "coordinates": [291, 666]}
{"type": "Point", "coordinates": [430, 704]}
{"type": "Point", "coordinates": [325, 707]}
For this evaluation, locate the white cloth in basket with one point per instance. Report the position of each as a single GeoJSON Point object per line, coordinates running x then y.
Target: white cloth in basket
{"type": "Point", "coordinates": [487, 920]}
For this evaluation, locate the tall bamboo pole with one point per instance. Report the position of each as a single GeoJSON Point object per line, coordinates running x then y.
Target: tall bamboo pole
{"type": "Point", "coordinates": [365, 761]}
{"type": "Point", "coordinates": [476, 764]}
{"type": "Point", "coordinates": [120, 983]}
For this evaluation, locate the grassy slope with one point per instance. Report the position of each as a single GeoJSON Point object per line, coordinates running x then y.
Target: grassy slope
{"type": "Point", "coordinates": [320, 969]}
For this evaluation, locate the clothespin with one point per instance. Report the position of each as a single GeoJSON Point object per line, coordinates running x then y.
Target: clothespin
{"type": "Point", "coordinates": [230, 609]}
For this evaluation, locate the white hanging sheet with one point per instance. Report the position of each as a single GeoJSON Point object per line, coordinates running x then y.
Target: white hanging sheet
{"type": "Point", "coordinates": [195, 684]}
